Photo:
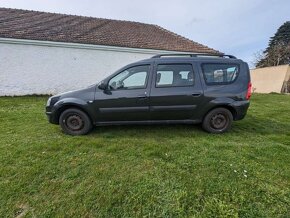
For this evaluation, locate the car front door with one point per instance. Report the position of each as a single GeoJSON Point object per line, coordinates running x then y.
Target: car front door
{"type": "Point", "coordinates": [126, 97]}
{"type": "Point", "coordinates": [176, 91]}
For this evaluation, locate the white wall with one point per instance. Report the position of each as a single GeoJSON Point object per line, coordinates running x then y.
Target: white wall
{"type": "Point", "coordinates": [35, 67]}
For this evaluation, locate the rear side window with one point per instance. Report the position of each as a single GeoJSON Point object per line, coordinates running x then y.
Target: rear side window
{"type": "Point", "coordinates": [215, 74]}
{"type": "Point", "coordinates": [172, 75]}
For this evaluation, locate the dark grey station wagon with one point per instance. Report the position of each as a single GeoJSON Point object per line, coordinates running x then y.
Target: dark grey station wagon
{"type": "Point", "coordinates": [209, 89]}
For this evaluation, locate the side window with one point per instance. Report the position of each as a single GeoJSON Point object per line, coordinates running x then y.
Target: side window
{"type": "Point", "coordinates": [170, 75]}
{"type": "Point", "coordinates": [164, 78]}
{"type": "Point", "coordinates": [220, 73]}
{"type": "Point", "coordinates": [131, 78]}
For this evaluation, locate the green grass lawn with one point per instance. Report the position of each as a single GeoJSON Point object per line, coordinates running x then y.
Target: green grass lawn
{"type": "Point", "coordinates": [150, 171]}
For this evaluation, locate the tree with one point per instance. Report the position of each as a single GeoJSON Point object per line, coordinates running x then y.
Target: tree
{"type": "Point", "coordinates": [278, 50]}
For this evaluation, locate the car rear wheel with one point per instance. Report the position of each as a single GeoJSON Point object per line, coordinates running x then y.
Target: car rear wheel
{"type": "Point", "coordinates": [218, 120]}
{"type": "Point", "coordinates": [75, 122]}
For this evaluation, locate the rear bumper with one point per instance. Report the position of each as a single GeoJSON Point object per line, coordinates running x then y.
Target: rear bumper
{"type": "Point", "coordinates": [241, 108]}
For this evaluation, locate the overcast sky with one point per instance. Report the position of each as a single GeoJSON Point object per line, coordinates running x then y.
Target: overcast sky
{"type": "Point", "coordinates": [238, 27]}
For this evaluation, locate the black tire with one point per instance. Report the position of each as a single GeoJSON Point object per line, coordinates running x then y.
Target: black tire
{"type": "Point", "coordinates": [218, 120]}
{"type": "Point", "coordinates": [75, 122]}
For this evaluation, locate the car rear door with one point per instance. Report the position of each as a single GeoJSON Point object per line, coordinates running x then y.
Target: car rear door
{"type": "Point", "coordinates": [176, 90]}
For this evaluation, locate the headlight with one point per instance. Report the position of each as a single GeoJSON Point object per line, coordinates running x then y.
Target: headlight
{"type": "Point", "coordinates": [52, 100]}
{"type": "Point", "coordinates": [48, 102]}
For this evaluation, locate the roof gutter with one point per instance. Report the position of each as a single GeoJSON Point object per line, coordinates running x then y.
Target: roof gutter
{"type": "Point", "coordinates": [83, 46]}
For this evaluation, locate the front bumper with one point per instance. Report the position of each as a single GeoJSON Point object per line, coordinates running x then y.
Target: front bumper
{"type": "Point", "coordinates": [51, 116]}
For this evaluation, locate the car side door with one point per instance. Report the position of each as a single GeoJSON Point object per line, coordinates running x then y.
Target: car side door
{"type": "Point", "coordinates": [126, 96]}
{"type": "Point", "coordinates": [176, 91]}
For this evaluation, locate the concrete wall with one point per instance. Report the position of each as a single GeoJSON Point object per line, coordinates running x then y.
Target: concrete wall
{"type": "Point", "coordinates": [37, 67]}
{"type": "Point", "coordinates": [269, 79]}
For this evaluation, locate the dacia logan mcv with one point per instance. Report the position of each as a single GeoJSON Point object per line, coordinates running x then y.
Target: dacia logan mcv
{"type": "Point", "coordinates": [209, 89]}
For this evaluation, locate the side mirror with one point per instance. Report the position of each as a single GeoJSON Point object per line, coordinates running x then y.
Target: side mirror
{"type": "Point", "coordinates": [103, 85]}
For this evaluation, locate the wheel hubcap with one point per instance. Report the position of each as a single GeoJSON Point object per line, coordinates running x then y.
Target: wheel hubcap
{"type": "Point", "coordinates": [218, 121]}
{"type": "Point", "coordinates": [74, 122]}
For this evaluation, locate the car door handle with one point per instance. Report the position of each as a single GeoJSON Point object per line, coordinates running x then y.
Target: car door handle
{"type": "Point", "coordinates": [142, 96]}
{"type": "Point", "coordinates": [196, 94]}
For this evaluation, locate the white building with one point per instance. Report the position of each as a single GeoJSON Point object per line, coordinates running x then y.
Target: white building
{"type": "Point", "coordinates": [46, 53]}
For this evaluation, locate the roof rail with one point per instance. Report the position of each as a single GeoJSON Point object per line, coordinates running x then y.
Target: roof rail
{"type": "Point", "coordinates": [196, 55]}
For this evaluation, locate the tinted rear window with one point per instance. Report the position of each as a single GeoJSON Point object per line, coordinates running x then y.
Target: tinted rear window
{"type": "Point", "coordinates": [215, 74]}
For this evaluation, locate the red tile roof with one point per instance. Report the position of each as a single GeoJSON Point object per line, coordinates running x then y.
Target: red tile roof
{"type": "Point", "coordinates": [34, 25]}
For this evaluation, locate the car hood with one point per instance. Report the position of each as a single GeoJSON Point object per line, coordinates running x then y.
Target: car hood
{"type": "Point", "coordinates": [86, 93]}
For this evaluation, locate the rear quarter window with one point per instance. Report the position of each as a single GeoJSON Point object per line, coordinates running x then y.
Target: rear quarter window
{"type": "Point", "coordinates": [218, 74]}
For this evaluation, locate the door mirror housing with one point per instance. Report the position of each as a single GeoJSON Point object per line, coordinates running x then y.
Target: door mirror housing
{"type": "Point", "coordinates": [103, 85]}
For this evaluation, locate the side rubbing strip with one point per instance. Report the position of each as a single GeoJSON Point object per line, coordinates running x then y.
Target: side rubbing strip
{"type": "Point", "coordinates": [124, 109]}
{"type": "Point", "coordinates": [172, 108]}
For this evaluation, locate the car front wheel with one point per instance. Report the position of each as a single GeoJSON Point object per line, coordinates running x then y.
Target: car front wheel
{"type": "Point", "coordinates": [218, 120]}
{"type": "Point", "coordinates": [75, 122]}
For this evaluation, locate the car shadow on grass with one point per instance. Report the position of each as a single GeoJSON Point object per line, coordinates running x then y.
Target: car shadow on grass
{"type": "Point", "coordinates": [251, 125]}
{"type": "Point", "coordinates": [141, 129]}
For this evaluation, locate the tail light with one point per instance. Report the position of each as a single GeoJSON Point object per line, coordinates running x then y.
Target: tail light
{"type": "Point", "coordinates": [249, 91]}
